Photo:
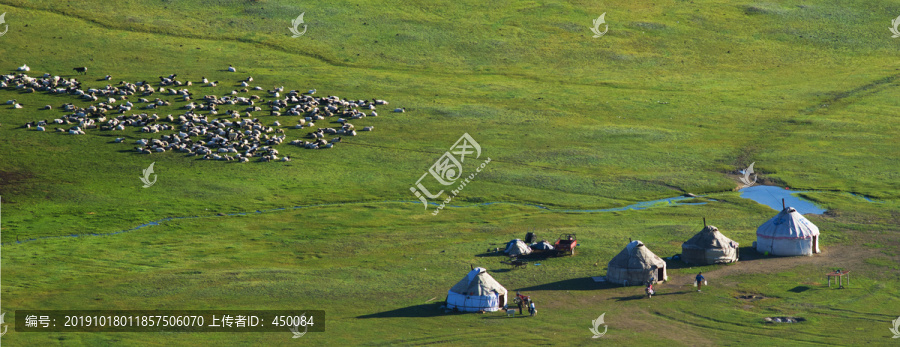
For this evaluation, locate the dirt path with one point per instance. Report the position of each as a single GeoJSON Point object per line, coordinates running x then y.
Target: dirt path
{"type": "Point", "coordinates": [847, 257]}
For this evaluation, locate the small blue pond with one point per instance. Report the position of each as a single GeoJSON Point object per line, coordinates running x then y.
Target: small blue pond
{"type": "Point", "coordinates": [771, 196]}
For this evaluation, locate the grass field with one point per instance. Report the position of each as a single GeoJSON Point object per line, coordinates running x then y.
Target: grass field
{"type": "Point", "coordinates": [674, 99]}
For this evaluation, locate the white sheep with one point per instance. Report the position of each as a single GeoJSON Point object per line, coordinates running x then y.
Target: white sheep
{"type": "Point", "coordinates": [24, 67]}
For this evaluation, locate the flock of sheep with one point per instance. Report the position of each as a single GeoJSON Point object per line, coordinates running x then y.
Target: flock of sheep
{"type": "Point", "coordinates": [216, 134]}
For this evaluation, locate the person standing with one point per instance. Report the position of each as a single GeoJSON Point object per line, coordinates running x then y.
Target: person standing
{"type": "Point", "coordinates": [520, 300]}
{"type": "Point", "coordinates": [531, 309]}
{"type": "Point", "coordinates": [700, 280]}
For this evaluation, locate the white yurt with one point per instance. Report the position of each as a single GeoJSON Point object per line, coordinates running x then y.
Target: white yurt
{"type": "Point", "coordinates": [635, 265]}
{"type": "Point", "coordinates": [477, 292]}
{"type": "Point", "coordinates": [517, 247]}
{"type": "Point", "coordinates": [788, 233]}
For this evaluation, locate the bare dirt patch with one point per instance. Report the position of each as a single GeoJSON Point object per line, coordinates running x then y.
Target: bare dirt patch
{"type": "Point", "coordinates": [847, 257]}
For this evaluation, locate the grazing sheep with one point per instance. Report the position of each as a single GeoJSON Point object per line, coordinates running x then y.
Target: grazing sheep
{"type": "Point", "coordinates": [214, 138]}
{"type": "Point", "coordinates": [81, 70]}
{"type": "Point", "coordinates": [48, 107]}
{"type": "Point", "coordinates": [400, 110]}
{"type": "Point", "coordinates": [231, 69]}
{"type": "Point", "coordinates": [24, 67]}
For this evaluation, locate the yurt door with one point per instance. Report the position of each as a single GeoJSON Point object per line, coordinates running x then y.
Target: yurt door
{"type": "Point", "coordinates": [815, 244]}
{"type": "Point", "coordinates": [660, 274]}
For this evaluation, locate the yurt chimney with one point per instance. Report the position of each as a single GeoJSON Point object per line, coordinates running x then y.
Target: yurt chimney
{"type": "Point", "coordinates": [782, 204]}
{"type": "Point", "coordinates": [704, 222]}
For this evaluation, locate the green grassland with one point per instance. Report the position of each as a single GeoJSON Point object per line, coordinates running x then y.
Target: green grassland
{"type": "Point", "coordinates": [676, 96]}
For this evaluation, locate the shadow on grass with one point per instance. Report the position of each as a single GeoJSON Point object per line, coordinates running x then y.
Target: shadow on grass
{"type": "Point", "coordinates": [585, 283]}
{"type": "Point", "coordinates": [417, 311]}
{"type": "Point", "coordinates": [644, 295]}
{"type": "Point", "coordinates": [525, 315]}
{"type": "Point", "coordinates": [799, 289]}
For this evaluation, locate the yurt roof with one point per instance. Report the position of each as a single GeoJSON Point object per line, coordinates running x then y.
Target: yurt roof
{"type": "Point", "coordinates": [788, 224]}
{"type": "Point", "coordinates": [636, 256]}
{"type": "Point", "coordinates": [478, 282]}
{"type": "Point", "coordinates": [710, 237]}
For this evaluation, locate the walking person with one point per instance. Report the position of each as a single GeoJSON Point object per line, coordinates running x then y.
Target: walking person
{"type": "Point", "coordinates": [700, 279]}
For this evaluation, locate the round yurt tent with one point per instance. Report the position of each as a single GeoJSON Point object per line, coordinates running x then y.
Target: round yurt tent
{"type": "Point", "coordinates": [635, 265]}
{"type": "Point", "coordinates": [477, 292]}
{"type": "Point", "coordinates": [788, 233]}
{"type": "Point", "coordinates": [517, 247]}
{"type": "Point", "coordinates": [709, 246]}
